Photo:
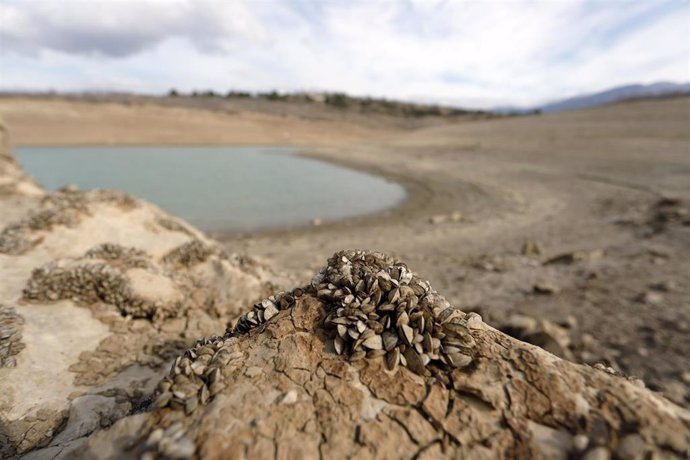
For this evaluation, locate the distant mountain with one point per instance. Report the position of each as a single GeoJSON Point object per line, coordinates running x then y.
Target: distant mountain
{"type": "Point", "coordinates": [514, 110]}
{"type": "Point", "coordinates": [617, 94]}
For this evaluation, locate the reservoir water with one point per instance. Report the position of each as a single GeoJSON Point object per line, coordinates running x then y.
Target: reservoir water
{"type": "Point", "coordinates": [219, 188]}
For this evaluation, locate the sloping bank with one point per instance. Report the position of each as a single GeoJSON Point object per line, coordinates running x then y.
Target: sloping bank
{"type": "Point", "coordinates": [120, 336]}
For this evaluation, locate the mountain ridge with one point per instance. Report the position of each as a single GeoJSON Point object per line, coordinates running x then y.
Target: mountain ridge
{"type": "Point", "coordinates": [617, 94]}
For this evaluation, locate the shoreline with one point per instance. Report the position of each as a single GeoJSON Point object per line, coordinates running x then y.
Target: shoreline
{"type": "Point", "coordinates": [416, 193]}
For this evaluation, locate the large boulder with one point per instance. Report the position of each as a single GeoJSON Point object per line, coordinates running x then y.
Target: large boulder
{"type": "Point", "coordinates": [368, 361]}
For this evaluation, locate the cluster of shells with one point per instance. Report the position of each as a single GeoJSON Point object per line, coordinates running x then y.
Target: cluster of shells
{"type": "Point", "coordinates": [377, 307]}
{"type": "Point", "coordinates": [169, 442]}
{"type": "Point", "coordinates": [193, 379]}
{"type": "Point", "coordinates": [174, 225]}
{"type": "Point", "coordinates": [198, 374]}
{"type": "Point", "coordinates": [130, 257]}
{"type": "Point", "coordinates": [60, 208]}
{"type": "Point", "coordinates": [16, 238]}
{"type": "Point", "coordinates": [10, 336]}
{"type": "Point", "coordinates": [87, 283]}
{"type": "Point", "coordinates": [70, 197]}
{"type": "Point", "coordinates": [264, 311]}
{"type": "Point", "coordinates": [188, 254]}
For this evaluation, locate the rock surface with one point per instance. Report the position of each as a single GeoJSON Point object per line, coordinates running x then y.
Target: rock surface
{"type": "Point", "coordinates": [279, 389]}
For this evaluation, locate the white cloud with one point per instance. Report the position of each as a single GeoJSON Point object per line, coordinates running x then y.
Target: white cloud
{"type": "Point", "coordinates": [472, 53]}
{"type": "Point", "coordinates": [121, 28]}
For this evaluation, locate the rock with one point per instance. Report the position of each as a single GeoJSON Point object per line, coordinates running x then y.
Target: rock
{"type": "Point", "coordinates": [677, 391]}
{"type": "Point", "coordinates": [253, 371]}
{"type": "Point", "coordinates": [570, 322]}
{"type": "Point", "coordinates": [580, 442]}
{"type": "Point", "coordinates": [543, 333]}
{"type": "Point", "coordinates": [513, 400]}
{"type": "Point", "coordinates": [490, 263]}
{"type": "Point", "coordinates": [88, 414]}
{"type": "Point", "coordinates": [685, 377]}
{"type": "Point", "coordinates": [564, 340]}
{"type": "Point", "coordinates": [289, 398]}
{"type": "Point", "coordinates": [666, 212]}
{"type": "Point", "coordinates": [566, 258]}
{"type": "Point", "coordinates": [114, 441]}
{"type": "Point", "coordinates": [474, 321]}
{"type": "Point", "coordinates": [455, 216]}
{"type": "Point", "coordinates": [597, 453]}
{"type": "Point", "coordinates": [552, 444]}
{"type": "Point", "coordinates": [651, 298]}
{"type": "Point", "coordinates": [630, 447]}
{"type": "Point", "coordinates": [438, 219]}
{"type": "Point", "coordinates": [569, 258]}
{"type": "Point", "coordinates": [551, 341]}
{"type": "Point", "coordinates": [531, 248]}
{"type": "Point", "coordinates": [665, 286]}
{"type": "Point", "coordinates": [546, 287]}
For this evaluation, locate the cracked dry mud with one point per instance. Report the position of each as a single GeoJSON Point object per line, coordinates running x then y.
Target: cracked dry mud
{"type": "Point", "coordinates": [10, 336]}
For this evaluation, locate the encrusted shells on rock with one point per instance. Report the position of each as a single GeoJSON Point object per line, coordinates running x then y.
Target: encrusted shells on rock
{"type": "Point", "coordinates": [10, 336]}
{"type": "Point", "coordinates": [376, 305]}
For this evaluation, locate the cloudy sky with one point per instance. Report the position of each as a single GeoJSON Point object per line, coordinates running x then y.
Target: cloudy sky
{"type": "Point", "coordinates": [472, 53]}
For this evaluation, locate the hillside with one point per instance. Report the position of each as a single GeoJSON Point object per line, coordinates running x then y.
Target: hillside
{"type": "Point", "coordinates": [295, 117]}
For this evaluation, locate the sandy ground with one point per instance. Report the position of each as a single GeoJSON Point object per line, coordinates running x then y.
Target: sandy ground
{"type": "Point", "coordinates": [587, 183]}
{"type": "Point", "coordinates": [34, 121]}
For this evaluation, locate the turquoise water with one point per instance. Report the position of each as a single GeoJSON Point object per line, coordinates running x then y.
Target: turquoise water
{"type": "Point", "coordinates": [219, 188]}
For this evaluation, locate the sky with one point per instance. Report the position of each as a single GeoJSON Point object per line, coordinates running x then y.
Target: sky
{"type": "Point", "coordinates": [477, 54]}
